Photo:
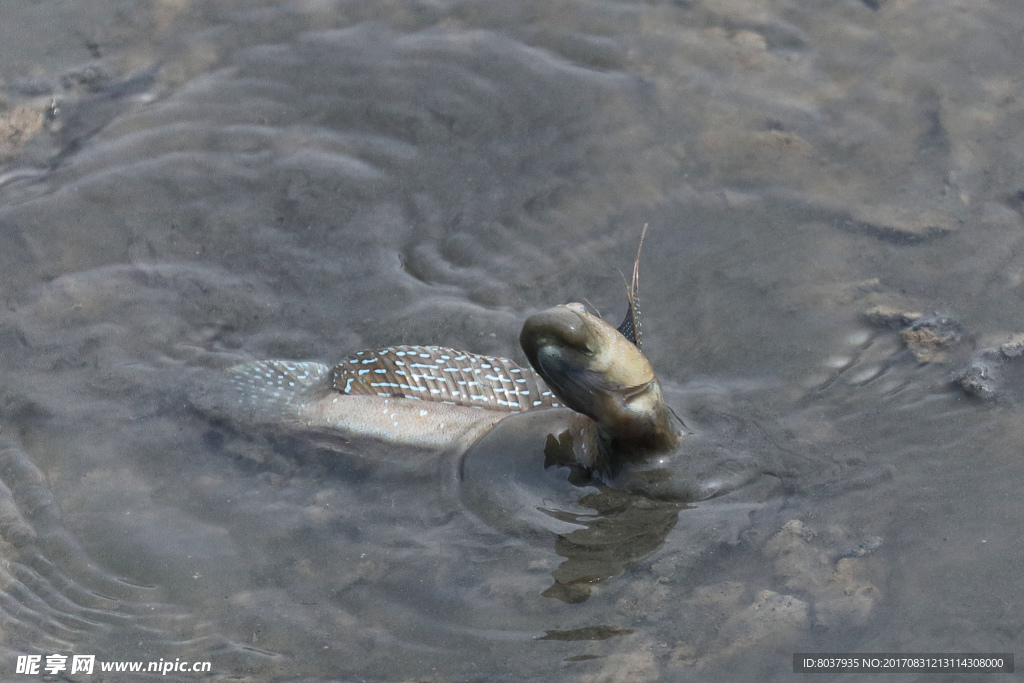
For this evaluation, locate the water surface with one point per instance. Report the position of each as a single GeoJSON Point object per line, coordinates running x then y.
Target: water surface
{"type": "Point", "coordinates": [185, 186]}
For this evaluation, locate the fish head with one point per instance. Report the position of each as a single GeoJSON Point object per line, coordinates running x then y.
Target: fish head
{"type": "Point", "coordinates": [596, 371]}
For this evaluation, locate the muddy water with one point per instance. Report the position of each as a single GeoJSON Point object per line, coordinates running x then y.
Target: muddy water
{"type": "Point", "coordinates": [185, 186]}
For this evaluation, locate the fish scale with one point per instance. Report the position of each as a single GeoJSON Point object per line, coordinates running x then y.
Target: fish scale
{"type": "Point", "coordinates": [277, 381]}
{"type": "Point", "coordinates": [436, 373]}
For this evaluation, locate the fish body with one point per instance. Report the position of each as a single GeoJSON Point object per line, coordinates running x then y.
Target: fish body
{"type": "Point", "coordinates": [601, 374]}
{"type": "Point", "coordinates": [433, 396]}
{"type": "Point", "coordinates": [424, 396]}
{"type": "Point", "coordinates": [439, 374]}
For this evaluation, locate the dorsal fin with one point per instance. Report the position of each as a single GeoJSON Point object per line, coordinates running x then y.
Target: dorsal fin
{"type": "Point", "coordinates": [631, 327]}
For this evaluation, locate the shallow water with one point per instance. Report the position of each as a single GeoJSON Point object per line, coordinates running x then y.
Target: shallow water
{"type": "Point", "coordinates": [186, 186]}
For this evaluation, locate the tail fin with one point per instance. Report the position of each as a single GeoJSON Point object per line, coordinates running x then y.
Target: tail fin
{"type": "Point", "coordinates": [266, 391]}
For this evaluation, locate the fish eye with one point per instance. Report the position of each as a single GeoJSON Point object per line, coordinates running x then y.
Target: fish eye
{"type": "Point", "coordinates": [582, 347]}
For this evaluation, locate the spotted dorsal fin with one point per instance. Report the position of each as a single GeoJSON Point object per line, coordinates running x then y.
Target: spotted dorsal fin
{"type": "Point", "coordinates": [442, 375]}
{"type": "Point", "coordinates": [631, 327]}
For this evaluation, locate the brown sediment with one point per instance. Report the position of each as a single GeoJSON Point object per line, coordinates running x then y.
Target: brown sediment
{"type": "Point", "coordinates": [20, 124]}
